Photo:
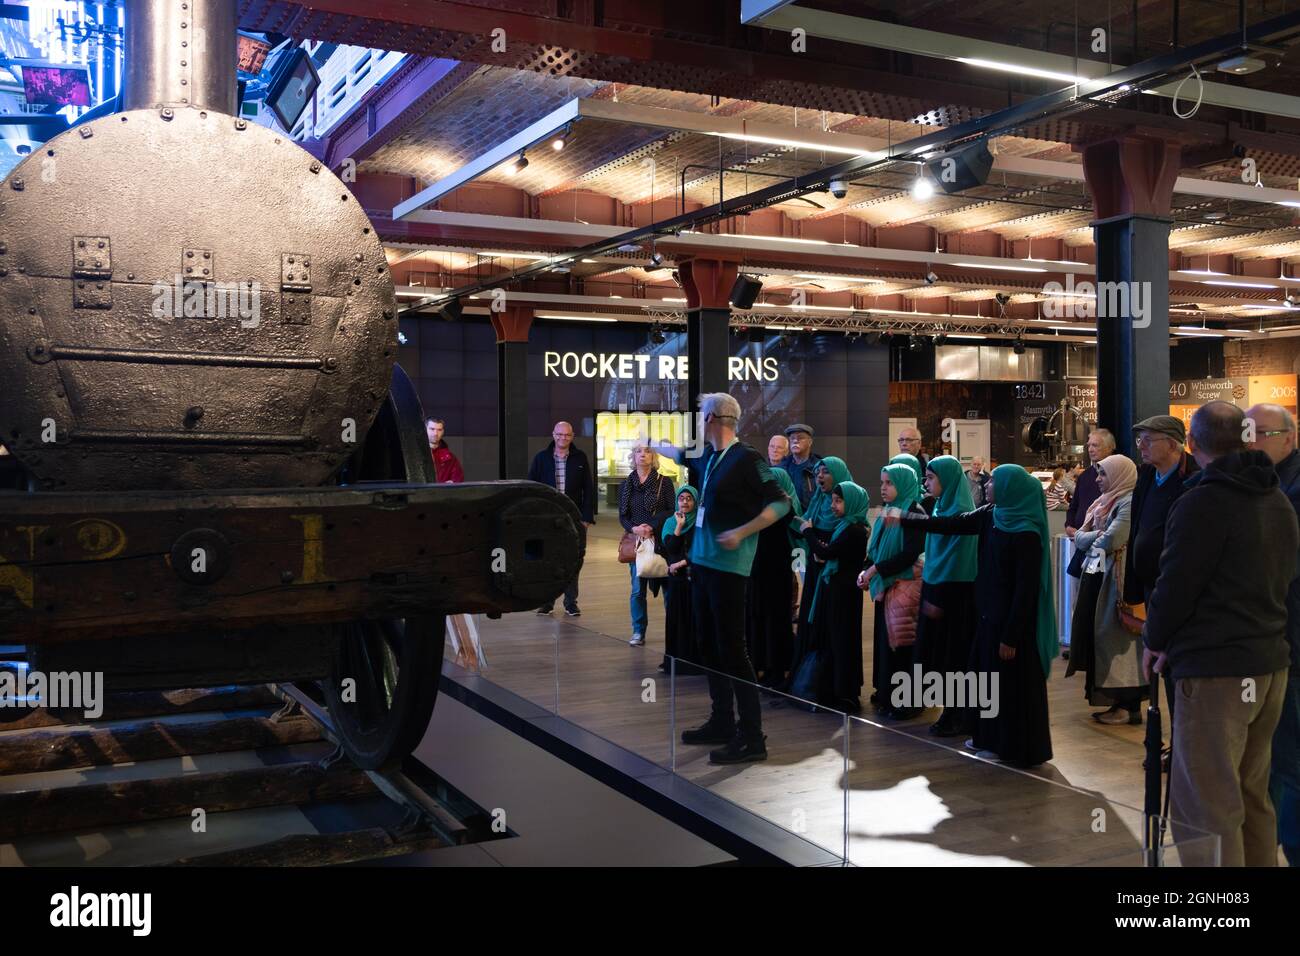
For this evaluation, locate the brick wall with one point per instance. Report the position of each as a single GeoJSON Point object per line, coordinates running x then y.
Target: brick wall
{"type": "Point", "coordinates": [1267, 357]}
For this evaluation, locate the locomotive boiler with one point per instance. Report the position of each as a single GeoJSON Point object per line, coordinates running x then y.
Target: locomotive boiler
{"type": "Point", "coordinates": [227, 474]}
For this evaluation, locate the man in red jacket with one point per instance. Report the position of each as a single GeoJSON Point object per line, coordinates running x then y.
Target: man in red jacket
{"type": "Point", "coordinates": [446, 467]}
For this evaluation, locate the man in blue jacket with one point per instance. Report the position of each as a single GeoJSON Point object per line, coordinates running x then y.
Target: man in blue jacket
{"type": "Point", "coordinates": [564, 467]}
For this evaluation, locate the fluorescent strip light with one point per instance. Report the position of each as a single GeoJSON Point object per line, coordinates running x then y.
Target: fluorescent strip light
{"type": "Point", "coordinates": [1069, 328]}
{"type": "Point", "coordinates": [954, 335]}
{"type": "Point", "coordinates": [1294, 205]}
{"type": "Point", "coordinates": [1072, 295]}
{"type": "Point", "coordinates": [818, 308]}
{"type": "Point", "coordinates": [795, 144]}
{"type": "Point", "coordinates": [978, 265]}
{"type": "Point", "coordinates": [1204, 272]}
{"type": "Point", "coordinates": [672, 300]}
{"type": "Point", "coordinates": [856, 279]}
{"type": "Point", "coordinates": [733, 235]}
{"type": "Point", "coordinates": [1021, 69]}
{"type": "Point", "coordinates": [1241, 285]}
{"type": "Point", "coordinates": [575, 318]}
{"type": "Point", "coordinates": [785, 328]}
{"type": "Point", "coordinates": [498, 255]}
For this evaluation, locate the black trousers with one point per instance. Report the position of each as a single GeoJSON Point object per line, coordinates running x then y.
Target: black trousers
{"type": "Point", "coordinates": [719, 599]}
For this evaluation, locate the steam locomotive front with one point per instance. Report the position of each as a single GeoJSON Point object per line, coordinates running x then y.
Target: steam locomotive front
{"type": "Point", "coordinates": [187, 299]}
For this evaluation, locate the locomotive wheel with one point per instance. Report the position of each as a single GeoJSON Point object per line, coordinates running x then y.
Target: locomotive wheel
{"type": "Point", "coordinates": [384, 680]}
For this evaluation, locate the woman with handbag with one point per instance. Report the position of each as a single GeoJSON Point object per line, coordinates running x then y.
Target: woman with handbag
{"type": "Point", "coordinates": [891, 562]}
{"type": "Point", "coordinates": [835, 610]}
{"type": "Point", "coordinates": [1015, 635]}
{"type": "Point", "coordinates": [679, 624]}
{"type": "Point", "coordinates": [946, 627]}
{"type": "Point", "coordinates": [645, 499]}
{"type": "Point", "coordinates": [1100, 645]}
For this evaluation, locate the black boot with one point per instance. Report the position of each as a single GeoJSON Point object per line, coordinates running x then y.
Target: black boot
{"type": "Point", "coordinates": [710, 732]}
{"type": "Point", "coordinates": [740, 750]}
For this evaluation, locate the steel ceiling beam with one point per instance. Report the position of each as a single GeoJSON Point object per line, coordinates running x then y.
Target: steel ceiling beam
{"type": "Point", "coordinates": [946, 46]}
{"type": "Point", "coordinates": [1077, 96]}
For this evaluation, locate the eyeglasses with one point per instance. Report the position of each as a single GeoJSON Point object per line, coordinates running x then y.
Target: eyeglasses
{"type": "Point", "coordinates": [1145, 441]}
{"type": "Point", "coordinates": [1275, 431]}
{"type": "Point", "coordinates": [907, 441]}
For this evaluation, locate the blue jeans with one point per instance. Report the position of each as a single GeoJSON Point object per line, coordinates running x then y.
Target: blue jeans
{"type": "Point", "coordinates": [1284, 782]}
{"type": "Point", "coordinates": [637, 604]}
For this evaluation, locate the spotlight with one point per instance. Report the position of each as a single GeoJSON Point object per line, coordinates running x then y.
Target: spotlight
{"type": "Point", "coordinates": [940, 338]}
{"type": "Point", "coordinates": [402, 339]}
{"type": "Point", "coordinates": [1002, 299]}
{"type": "Point", "coordinates": [518, 166]}
{"type": "Point", "coordinates": [657, 336]}
{"type": "Point", "coordinates": [931, 278]}
{"type": "Point", "coordinates": [914, 343]}
{"type": "Point", "coordinates": [1018, 346]}
{"type": "Point", "coordinates": [656, 260]}
{"type": "Point", "coordinates": [561, 138]}
{"type": "Point", "coordinates": [1290, 301]}
{"type": "Point", "coordinates": [922, 188]}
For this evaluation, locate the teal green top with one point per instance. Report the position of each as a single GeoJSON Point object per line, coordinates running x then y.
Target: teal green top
{"type": "Point", "coordinates": [887, 539]}
{"type": "Point", "coordinates": [856, 501]}
{"type": "Point", "coordinates": [911, 461]}
{"type": "Point", "coordinates": [670, 523]}
{"type": "Point", "coordinates": [705, 550]}
{"type": "Point", "coordinates": [819, 505]}
{"type": "Point", "coordinates": [1019, 505]}
{"type": "Point", "coordinates": [951, 557]}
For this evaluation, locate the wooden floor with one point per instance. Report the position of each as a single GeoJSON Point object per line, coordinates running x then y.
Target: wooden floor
{"type": "Point", "coordinates": [882, 793]}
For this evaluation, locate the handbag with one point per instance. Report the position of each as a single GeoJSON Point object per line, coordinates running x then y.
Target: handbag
{"type": "Point", "coordinates": [902, 604]}
{"type": "Point", "coordinates": [1075, 568]}
{"type": "Point", "coordinates": [1132, 617]}
{"type": "Point", "coordinates": [807, 677]}
{"type": "Point", "coordinates": [648, 563]}
{"type": "Point", "coordinates": [627, 548]}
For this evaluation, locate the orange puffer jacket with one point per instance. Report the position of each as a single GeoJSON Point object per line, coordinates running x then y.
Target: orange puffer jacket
{"type": "Point", "coordinates": [902, 603]}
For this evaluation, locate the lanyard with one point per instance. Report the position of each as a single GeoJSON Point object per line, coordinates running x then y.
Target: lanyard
{"type": "Point", "coordinates": [704, 486]}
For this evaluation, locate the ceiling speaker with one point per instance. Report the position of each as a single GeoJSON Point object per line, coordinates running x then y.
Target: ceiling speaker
{"type": "Point", "coordinates": [745, 291]}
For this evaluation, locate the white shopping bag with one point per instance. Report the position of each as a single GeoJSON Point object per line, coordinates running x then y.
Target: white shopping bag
{"type": "Point", "coordinates": [649, 564]}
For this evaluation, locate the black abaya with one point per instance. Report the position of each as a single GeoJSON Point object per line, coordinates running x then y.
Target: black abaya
{"type": "Point", "coordinates": [679, 626]}
{"type": "Point", "coordinates": [1006, 596]}
{"type": "Point", "coordinates": [945, 634]}
{"type": "Point", "coordinates": [836, 631]}
{"type": "Point", "coordinates": [769, 632]}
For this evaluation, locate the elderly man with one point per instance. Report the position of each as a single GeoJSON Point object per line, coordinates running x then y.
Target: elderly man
{"type": "Point", "coordinates": [1101, 443]}
{"type": "Point", "coordinates": [1275, 435]}
{"type": "Point", "coordinates": [778, 447]}
{"type": "Point", "coordinates": [978, 480]}
{"type": "Point", "coordinates": [801, 466]}
{"type": "Point", "coordinates": [1217, 622]}
{"type": "Point", "coordinates": [909, 442]}
{"type": "Point", "coordinates": [564, 467]}
{"type": "Point", "coordinates": [738, 499]}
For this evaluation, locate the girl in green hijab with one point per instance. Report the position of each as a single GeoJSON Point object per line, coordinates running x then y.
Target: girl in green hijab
{"type": "Point", "coordinates": [675, 538]}
{"type": "Point", "coordinates": [891, 558]}
{"type": "Point", "coordinates": [1015, 637]}
{"type": "Point", "coordinates": [830, 472]}
{"type": "Point", "coordinates": [835, 608]}
{"type": "Point", "coordinates": [946, 625]}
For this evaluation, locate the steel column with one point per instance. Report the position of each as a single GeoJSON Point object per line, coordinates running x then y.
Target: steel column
{"type": "Point", "coordinates": [512, 327]}
{"type": "Point", "coordinates": [707, 283]}
{"type": "Point", "coordinates": [1131, 181]}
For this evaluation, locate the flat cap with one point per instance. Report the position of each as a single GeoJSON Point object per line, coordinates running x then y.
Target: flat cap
{"type": "Point", "coordinates": [799, 427]}
{"type": "Point", "coordinates": [1163, 425]}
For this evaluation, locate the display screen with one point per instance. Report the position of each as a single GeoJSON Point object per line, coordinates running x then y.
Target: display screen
{"type": "Point", "coordinates": [252, 53]}
{"type": "Point", "coordinates": [57, 85]}
{"type": "Point", "coordinates": [293, 88]}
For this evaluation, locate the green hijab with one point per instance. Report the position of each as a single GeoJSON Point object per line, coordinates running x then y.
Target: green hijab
{"type": "Point", "coordinates": [951, 557]}
{"type": "Point", "coordinates": [887, 539]}
{"type": "Point", "coordinates": [819, 505]}
{"type": "Point", "coordinates": [903, 458]}
{"type": "Point", "coordinates": [1019, 505]}
{"type": "Point", "coordinates": [856, 501]}
{"type": "Point", "coordinates": [670, 523]}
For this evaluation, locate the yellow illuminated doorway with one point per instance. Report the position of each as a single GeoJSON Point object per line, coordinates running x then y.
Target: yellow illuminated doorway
{"type": "Point", "coordinates": [617, 433]}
